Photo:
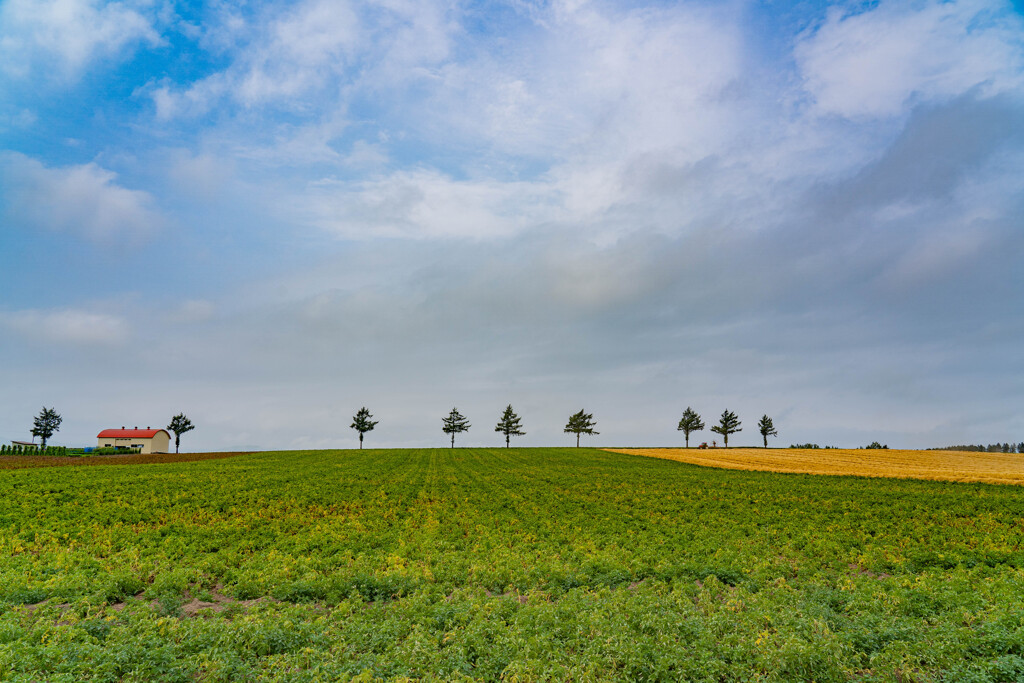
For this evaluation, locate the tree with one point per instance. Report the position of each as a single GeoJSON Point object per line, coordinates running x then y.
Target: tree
{"type": "Point", "coordinates": [767, 429]}
{"type": "Point", "coordinates": [509, 424]}
{"type": "Point", "coordinates": [727, 424]}
{"type": "Point", "coordinates": [580, 423]}
{"type": "Point", "coordinates": [179, 425]}
{"type": "Point", "coordinates": [45, 424]}
{"type": "Point", "coordinates": [363, 422]}
{"type": "Point", "coordinates": [690, 422]}
{"type": "Point", "coordinates": [454, 423]}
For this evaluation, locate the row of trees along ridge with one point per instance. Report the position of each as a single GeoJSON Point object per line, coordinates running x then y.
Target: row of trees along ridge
{"type": "Point", "coordinates": [510, 424]}
{"type": "Point", "coordinates": [728, 424]}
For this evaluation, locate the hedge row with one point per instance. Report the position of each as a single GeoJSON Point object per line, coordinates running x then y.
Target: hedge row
{"type": "Point", "coordinates": [18, 449]}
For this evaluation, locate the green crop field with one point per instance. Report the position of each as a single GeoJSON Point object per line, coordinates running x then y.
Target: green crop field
{"type": "Point", "coordinates": [521, 564]}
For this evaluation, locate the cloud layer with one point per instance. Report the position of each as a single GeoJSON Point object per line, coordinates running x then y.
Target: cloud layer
{"type": "Point", "coordinates": [63, 38]}
{"type": "Point", "coordinates": [627, 208]}
{"type": "Point", "coordinates": [84, 199]}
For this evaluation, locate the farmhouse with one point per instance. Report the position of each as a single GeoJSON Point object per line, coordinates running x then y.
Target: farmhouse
{"type": "Point", "coordinates": [148, 440]}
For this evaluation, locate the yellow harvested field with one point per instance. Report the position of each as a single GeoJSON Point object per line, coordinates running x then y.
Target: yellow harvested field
{"type": "Point", "coordinates": [991, 468]}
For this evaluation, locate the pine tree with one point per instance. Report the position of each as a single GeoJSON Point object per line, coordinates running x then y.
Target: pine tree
{"type": "Point", "coordinates": [363, 422]}
{"type": "Point", "coordinates": [690, 422]}
{"type": "Point", "coordinates": [580, 423]}
{"type": "Point", "coordinates": [45, 424]}
{"type": "Point", "coordinates": [728, 424]}
{"type": "Point", "coordinates": [454, 424]}
{"type": "Point", "coordinates": [180, 425]}
{"type": "Point", "coordinates": [767, 429]}
{"type": "Point", "coordinates": [509, 424]}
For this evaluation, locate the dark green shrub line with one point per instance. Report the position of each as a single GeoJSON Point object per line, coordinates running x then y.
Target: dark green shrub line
{"type": "Point", "coordinates": [19, 449]}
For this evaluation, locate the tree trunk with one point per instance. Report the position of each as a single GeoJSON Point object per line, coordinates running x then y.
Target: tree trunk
{"type": "Point", "coordinates": [726, 437]}
{"type": "Point", "coordinates": [453, 439]}
{"type": "Point", "coordinates": [177, 442]}
{"type": "Point", "coordinates": [687, 439]}
{"type": "Point", "coordinates": [506, 440]}
{"type": "Point", "coordinates": [765, 440]}
{"type": "Point", "coordinates": [577, 439]}
{"type": "Point", "coordinates": [360, 441]}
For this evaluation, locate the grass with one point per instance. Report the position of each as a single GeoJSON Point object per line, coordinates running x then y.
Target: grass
{"type": "Point", "coordinates": [961, 466]}
{"type": "Point", "coordinates": [519, 564]}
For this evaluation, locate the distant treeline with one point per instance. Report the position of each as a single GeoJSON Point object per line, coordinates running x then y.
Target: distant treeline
{"type": "Point", "coordinates": [991, 448]}
{"type": "Point", "coordinates": [25, 449]}
{"type": "Point", "coordinates": [873, 444]}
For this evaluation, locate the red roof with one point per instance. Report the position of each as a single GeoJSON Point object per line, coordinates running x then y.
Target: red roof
{"type": "Point", "coordinates": [130, 433]}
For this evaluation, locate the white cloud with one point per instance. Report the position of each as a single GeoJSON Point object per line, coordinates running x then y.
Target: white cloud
{"type": "Point", "coordinates": [68, 326]}
{"type": "Point", "coordinates": [315, 49]}
{"type": "Point", "coordinates": [17, 119]}
{"type": "Point", "coordinates": [202, 176]}
{"type": "Point", "coordinates": [67, 35]}
{"type": "Point", "coordinates": [594, 83]}
{"type": "Point", "coordinates": [587, 90]}
{"type": "Point", "coordinates": [299, 145]}
{"type": "Point", "coordinates": [192, 311]}
{"type": "Point", "coordinates": [195, 101]}
{"type": "Point", "coordinates": [83, 199]}
{"type": "Point", "coordinates": [423, 204]}
{"type": "Point", "coordinates": [366, 155]}
{"type": "Point", "coordinates": [877, 62]}
{"type": "Point", "coordinates": [595, 94]}
{"type": "Point", "coordinates": [300, 51]}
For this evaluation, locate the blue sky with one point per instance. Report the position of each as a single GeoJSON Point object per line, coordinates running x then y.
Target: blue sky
{"type": "Point", "coordinates": [267, 216]}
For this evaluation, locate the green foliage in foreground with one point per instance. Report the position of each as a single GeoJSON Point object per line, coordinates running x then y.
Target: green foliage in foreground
{"type": "Point", "coordinates": [522, 564]}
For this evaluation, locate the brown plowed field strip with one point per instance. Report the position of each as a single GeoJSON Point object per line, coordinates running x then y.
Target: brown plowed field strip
{"type": "Point", "coordinates": [989, 468]}
{"type": "Point", "coordinates": [19, 462]}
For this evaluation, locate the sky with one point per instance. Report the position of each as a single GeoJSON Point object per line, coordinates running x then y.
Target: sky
{"type": "Point", "coordinates": [267, 215]}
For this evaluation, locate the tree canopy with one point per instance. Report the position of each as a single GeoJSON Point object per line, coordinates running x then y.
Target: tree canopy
{"type": "Point", "coordinates": [180, 425]}
{"type": "Point", "coordinates": [690, 422]}
{"type": "Point", "coordinates": [363, 422]}
{"type": "Point", "coordinates": [510, 424]}
{"type": "Point", "coordinates": [727, 424]}
{"type": "Point", "coordinates": [46, 423]}
{"type": "Point", "coordinates": [454, 423]}
{"type": "Point", "coordinates": [766, 428]}
{"type": "Point", "coordinates": [580, 423]}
